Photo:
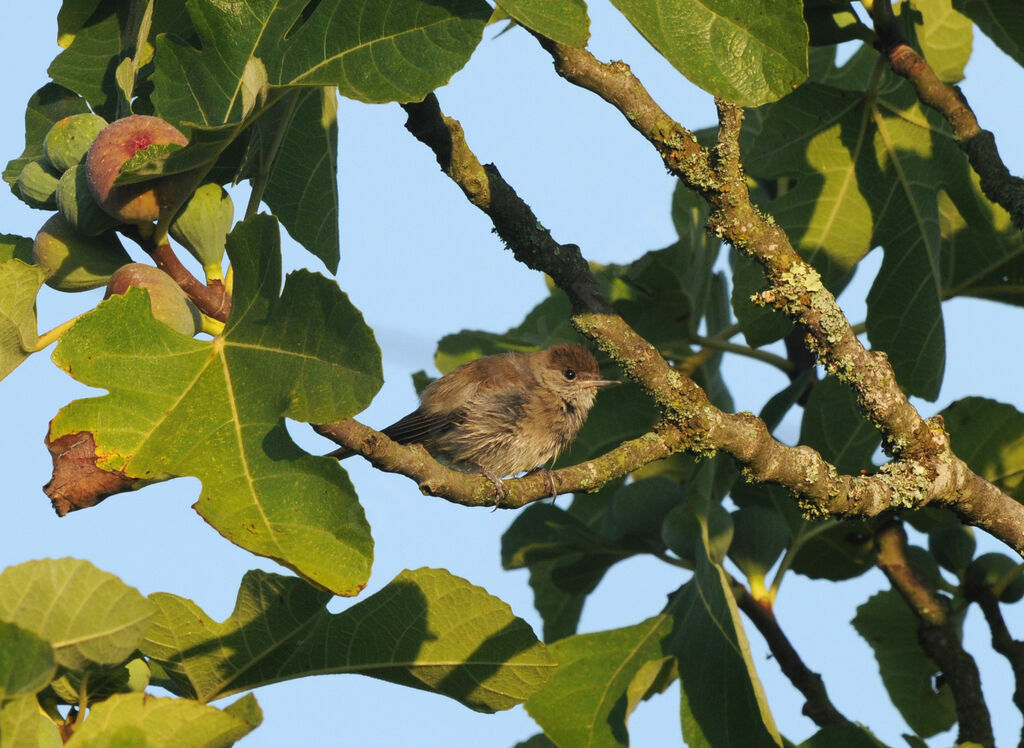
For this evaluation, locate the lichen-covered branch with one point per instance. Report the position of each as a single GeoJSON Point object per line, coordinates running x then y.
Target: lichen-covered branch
{"type": "Point", "coordinates": [925, 468]}
{"type": "Point", "coordinates": [469, 489]}
{"type": "Point", "coordinates": [979, 144]}
{"type": "Point", "coordinates": [817, 705]}
{"type": "Point", "coordinates": [939, 637]}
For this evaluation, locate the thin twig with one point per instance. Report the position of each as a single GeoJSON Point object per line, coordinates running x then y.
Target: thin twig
{"type": "Point", "coordinates": [938, 635]}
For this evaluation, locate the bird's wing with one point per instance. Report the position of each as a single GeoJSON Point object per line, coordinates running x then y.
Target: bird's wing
{"type": "Point", "coordinates": [418, 426]}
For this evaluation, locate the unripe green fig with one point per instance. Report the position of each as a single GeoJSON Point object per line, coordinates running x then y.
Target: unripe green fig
{"type": "Point", "coordinates": [37, 185]}
{"type": "Point", "coordinates": [987, 569]}
{"type": "Point", "coordinates": [142, 202]}
{"type": "Point", "coordinates": [167, 301]}
{"type": "Point", "coordinates": [78, 206]}
{"type": "Point", "coordinates": [72, 261]}
{"type": "Point", "coordinates": [203, 224]}
{"type": "Point", "coordinates": [69, 139]}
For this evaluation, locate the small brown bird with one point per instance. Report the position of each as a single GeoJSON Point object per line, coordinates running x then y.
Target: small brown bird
{"type": "Point", "coordinates": [504, 414]}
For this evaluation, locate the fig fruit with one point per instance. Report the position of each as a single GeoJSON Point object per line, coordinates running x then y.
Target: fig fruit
{"type": "Point", "coordinates": [78, 206]}
{"type": "Point", "coordinates": [989, 568]}
{"type": "Point", "coordinates": [72, 261]}
{"type": "Point", "coordinates": [203, 224]}
{"type": "Point", "coordinates": [37, 185]}
{"type": "Point", "coordinates": [142, 202]}
{"type": "Point", "coordinates": [167, 301]}
{"type": "Point", "coordinates": [69, 139]}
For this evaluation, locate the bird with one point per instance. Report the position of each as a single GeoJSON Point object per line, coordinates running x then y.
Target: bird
{"type": "Point", "coordinates": [504, 414]}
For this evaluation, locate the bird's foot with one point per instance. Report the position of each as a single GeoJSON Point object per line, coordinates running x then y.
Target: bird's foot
{"type": "Point", "coordinates": [549, 476]}
{"type": "Point", "coordinates": [500, 489]}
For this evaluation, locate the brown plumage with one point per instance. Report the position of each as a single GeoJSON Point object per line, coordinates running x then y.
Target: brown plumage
{"type": "Point", "coordinates": [504, 414]}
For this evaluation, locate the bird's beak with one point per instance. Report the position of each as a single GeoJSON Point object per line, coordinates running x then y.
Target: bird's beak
{"type": "Point", "coordinates": [598, 382]}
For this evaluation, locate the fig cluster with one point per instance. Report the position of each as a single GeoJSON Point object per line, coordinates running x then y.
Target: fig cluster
{"type": "Point", "coordinates": [79, 247]}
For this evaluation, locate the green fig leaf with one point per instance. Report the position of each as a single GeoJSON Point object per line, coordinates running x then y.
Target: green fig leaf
{"type": "Point", "coordinates": [88, 616]}
{"type": "Point", "coordinates": [373, 51]}
{"type": "Point", "coordinates": [138, 719]}
{"type": "Point", "coordinates": [564, 21]}
{"type": "Point", "coordinates": [22, 723]}
{"type": "Point", "coordinates": [20, 282]}
{"type": "Point", "coordinates": [891, 628]}
{"type": "Point", "coordinates": [989, 437]}
{"type": "Point", "coordinates": [747, 52]}
{"type": "Point", "coordinates": [455, 639]}
{"type": "Point", "coordinates": [27, 662]}
{"type": "Point", "coordinates": [215, 409]}
{"type": "Point", "coordinates": [1000, 20]}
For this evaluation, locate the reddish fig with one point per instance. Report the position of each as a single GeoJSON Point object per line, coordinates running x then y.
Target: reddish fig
{"type": "Point", "coordinates": [142, 202]}
{"type": "Point", "coordinates": [167, 301]}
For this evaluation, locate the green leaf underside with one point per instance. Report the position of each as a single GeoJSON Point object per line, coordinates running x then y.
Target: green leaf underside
{"type": "Point", "coordinates": [22, 723]}
{"type": "Point", "coordinates": [215, 410]}
{"type": "Point", "coordinates": [454, 639]}
{"type": "Point", "coordinates": [989, 437]}
{"type": "Point", "coordinates": [27, 662]}
{"type": "Point", "coordinates": [88, 616]}
{"type": "Point", "coordinates": [373, 50]}
{"type": "Point", "coordinates": [565, 21]}
{"type": "Point", "coordinates": [747, 52]}
{"type": "Point", "coordinates": [890, 627]}
{"type": "Point", "coordinates": [943, 34]}
{"type": "Point", "coordinates": [139, 719]}
{"type": "Point", "coordinates": [600, 676]}
{"type": "Point", "coordinates": [19, 284]}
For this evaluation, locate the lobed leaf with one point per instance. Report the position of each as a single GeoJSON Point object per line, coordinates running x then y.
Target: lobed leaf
{"type": "Point", "coordinates": [88, 616]}
{"type": "Point", "coordinates": [564, 21]}
{"type": "Point", "coordinates": [890, 627]}
{"type": "Point", "coordinates": [454, 639]}
{"type": "Point", "coordinates": [27, 662]}
{"type": "Point", "coordinates": [138, 719]}
{"type": "Point", "coordinates": [215, 410]}
{"type": "Point", "coordinates": [1000, 20]}
{"type": "Point", "coordinates": [743, 51]}
{"type": "Point", "coordinates": [989, 437]}
{"type": "Point", "coordinates": [23, 725]}
{"type": "Point", "coordinates": [19, 285]}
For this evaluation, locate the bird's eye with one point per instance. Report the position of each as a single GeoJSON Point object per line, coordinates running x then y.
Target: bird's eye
{"type": "Point", "coordinates": [569, 374]}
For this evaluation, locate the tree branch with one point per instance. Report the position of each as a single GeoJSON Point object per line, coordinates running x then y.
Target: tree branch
{"type": "Point", "coordinates": [817, 705]}
{"type": "Point", "coordinates": [939, 637]}
{"type": "Point", "coordinates": [997, 183]}
{"type": "Point", "coordinates": [1003, 643]}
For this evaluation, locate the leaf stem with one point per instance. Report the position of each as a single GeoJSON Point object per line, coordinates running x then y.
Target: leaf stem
{"type": "Point", "coordinates": [51, 336]}
{"type": "Point", "coordinates": [719, 344]}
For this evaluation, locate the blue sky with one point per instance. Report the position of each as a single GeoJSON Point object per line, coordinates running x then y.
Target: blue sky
{"type": "Point", "coordinates": [420, 262]}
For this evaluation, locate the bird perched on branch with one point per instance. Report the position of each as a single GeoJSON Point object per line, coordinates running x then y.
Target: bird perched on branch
{"type": "Point", "coordinates": [504, 414]}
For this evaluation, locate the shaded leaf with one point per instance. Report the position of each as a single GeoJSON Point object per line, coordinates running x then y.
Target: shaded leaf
{"type": "Point", "coordinates": [890, 627]}
{"type": "Point", "coordinates": [834, 425]}
{"type": "Point", "coordinates": [561, 20]}
{"type": "Point", "coordinates": [454, 639]}
{"type": "Point", "coordinates": [760, 324]}
{"type": "Point", "coordinates": [848, 736]}
{"type": "Point", "coordinates": [302, 189]}
{"type": "Point", "coordinates": [19, 284]}
{"type": "Point", "coordinates": [586, 701]}
{"type": "Point", "coordinates": [373, 51]}
{"type": "Point", "coordinates": [23, 725]}
{"type": "Point", "coordinates": [943, 34]}
{"type": "Point", "coordinates": [138, 719]}
{"type": "Point", "coordinates": [27, 662]}
{"type": "Point", "coordinates": [216, 409]}
{"type": "Point", "coordinates": [45, 107]}
{"type": "Point", "coordinates": [722, 701]}
{"type": "Point", "coordinates": [760, 535]}
{"type": "Point", "coordinates": [88, 616]}
{"type": "Point", "coordinates": [1000, 20]}
{"type": "Point", "coordinates": [989, 437]}
{"type": "Point", "coordinates": [746, 52]}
